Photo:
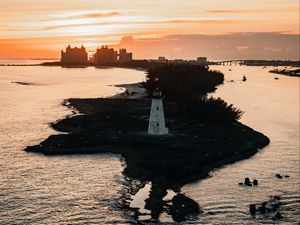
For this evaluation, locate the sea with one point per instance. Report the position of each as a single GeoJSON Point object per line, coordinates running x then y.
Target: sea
{"type": "Point", "coordinates": [85, 189]}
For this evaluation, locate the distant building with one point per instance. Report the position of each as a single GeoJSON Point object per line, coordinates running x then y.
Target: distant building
{"type": "Point", "coordinates": [74, 56]}
{"type": "Point", "coordinates": [202, 61]}
{"type": "Point", "coordinates": [180, 61]}
{"type": "Point", "coordinates": [162, 59]}
{"type": "Point", "coordinates": [105, 56]}
{"type": "Point", "coordinates": [108, 56]}
{"type": "Point", "coordinates": [124, 56]}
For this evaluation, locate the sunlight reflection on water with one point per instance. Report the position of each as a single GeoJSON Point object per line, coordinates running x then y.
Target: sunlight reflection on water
{"type": "Point", "coordinates": [37, 189]}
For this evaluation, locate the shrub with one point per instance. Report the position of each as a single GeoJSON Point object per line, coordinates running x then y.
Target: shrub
{"type": "Point", "coordinates": [214, 110]}
{"type": "Point", "coordinates": [179, 81]}
{"type": "Point", "coordinates": [187, 85]}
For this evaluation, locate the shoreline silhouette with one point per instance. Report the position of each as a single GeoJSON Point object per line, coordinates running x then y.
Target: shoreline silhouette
{"type": "Point", "coordinates": [169, 162]}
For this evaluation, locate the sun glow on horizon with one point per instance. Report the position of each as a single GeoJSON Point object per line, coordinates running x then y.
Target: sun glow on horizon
{"type": "Point", "coordinates": [50, 25]}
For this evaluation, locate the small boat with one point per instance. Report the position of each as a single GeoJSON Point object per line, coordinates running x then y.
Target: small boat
{"type": "Point", "coordinates": [244, 78]}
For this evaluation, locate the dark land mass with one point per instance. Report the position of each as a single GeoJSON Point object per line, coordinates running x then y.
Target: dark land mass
{"type": "Point", "coordinates": [191, 150]}
{"type": "Point", "coordinates": [134, 64]}
{"type": "Point", "coordinates": [271, 63]}
{"type": "Point", "coordinates": [146, 64]}
{"type": "Point", "coordinates": [291, 73]}
{"type": "Point", "coordinates": [23, 83]}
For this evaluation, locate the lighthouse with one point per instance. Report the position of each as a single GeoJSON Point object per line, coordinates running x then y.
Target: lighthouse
{"type": "Point", "coordinates": [157, 119]}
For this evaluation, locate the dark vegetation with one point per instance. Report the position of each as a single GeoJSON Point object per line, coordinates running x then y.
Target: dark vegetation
{"type": "Point", "coordinates": [188, 154]}
{"type": "Point", "coordinates": [291, 73]}
{"type": "Point", "coordinates": [271, 63]}
{"type": "Point", "coordinates": [186, 85]}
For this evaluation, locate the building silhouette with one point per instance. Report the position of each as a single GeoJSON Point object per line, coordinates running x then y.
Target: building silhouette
{"type": "Point", "coordinates": [74, 56]}
{"type": "Point", "coordinates": [124, 56]}
{"type": "Point", "coordinates": [108, 56]}
{"type": "Point", "coordinates": [202, 61]}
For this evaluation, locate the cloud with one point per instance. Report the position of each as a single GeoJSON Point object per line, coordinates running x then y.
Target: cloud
{"type": "Point", "coordinates": [75, 25]}
{"type": "Point", "coordinates": [204, 21]}
{"type": "Point", "coordinates": [265, 45]}
{"type": "Point", "coordinates": [232, 11]}
{"type": "Point", "coordinates": [249, 11]}
{"type": "Point", "coordinates": [272, 45]}
{"type": "Point", "coordinates": [124, 22]}
{"type": "Point", "coordinates": [96, 15]}
{"type": "Point", "coordinates": [80, 15]}
{"type": "Point", "coordinates": [242, 48]}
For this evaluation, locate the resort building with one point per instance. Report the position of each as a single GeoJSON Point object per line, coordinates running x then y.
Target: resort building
{"type": "Point", "coordinates": [74, 56]}
{"type": "Point", "coordinates": [105, 56]}
{"type": "Point", "coordinates": [124, 56]}
{"type": "Point", "coordinates": [108, 56]}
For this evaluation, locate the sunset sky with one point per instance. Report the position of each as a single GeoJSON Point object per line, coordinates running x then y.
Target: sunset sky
{"type": "Point", "coordinates": [219, 29]}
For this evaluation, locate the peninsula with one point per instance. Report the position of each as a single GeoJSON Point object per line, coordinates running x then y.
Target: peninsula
{"type": "Point", "coordinates": [204, 135]}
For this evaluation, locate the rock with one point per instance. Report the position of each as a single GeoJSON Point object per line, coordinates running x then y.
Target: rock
{"type": "Point", "coordinates": [252, 209]}
{"type": "Point", "coordinates": [255, 182]}
{"type": "Point", "coordinates": [276, 197]}
{"type": "Point", "coordinates": [263, 208]}
{"type": "Point", "coordinates": [247, 182]}
{"type": "Point", "coordinates": [278, 216]}
{"type": "Point", "coordinates": [275, 206]}
{"type": "Point", "coordinates": [182, 206]}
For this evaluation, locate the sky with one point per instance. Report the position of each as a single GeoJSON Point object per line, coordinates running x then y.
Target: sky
{"type": "Point", "coordinates": [218, 29]}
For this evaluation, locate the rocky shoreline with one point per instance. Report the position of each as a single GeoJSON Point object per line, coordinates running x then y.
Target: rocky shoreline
{"type": "Point", "coordinates": [119, 125]}
{"type": "Point", "coordinates": [290, 72]}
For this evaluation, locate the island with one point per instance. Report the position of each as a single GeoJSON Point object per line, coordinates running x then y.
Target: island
{"type": "Point", "coordinates": [204, 134]}
{"type": "Point", "coordinates": [287, 72]}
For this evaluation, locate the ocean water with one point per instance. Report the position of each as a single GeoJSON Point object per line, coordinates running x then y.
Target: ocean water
{"type": "Point", "coordinates": [35, 189]}
{"type": "Point", "coordinates": [272, 107]}
{"type": "Point", "coordinates": [84, 189]}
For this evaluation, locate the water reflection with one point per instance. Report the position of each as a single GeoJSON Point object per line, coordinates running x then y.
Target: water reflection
{"type": "Point", "coordinates": [36, 189]}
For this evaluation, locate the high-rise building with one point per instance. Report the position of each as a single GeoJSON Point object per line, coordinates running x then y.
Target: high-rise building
{"type": "Point", "coordinates": [74, 56]}
{"type": "Point", "coordinates": [124, 56]}
{"type": "Point", "coordinates": [105, 56]}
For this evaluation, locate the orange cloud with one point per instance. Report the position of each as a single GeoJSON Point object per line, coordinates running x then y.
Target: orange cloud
{"type": "Point", "coordinates": [242, 48]}
{"type": "Point", "coordinates": [99, 15]}
{"type": "Point", "coordinates": [270, 45]}
{"type": "Point", "coordinates": [148, 23]}
{"type": "Point", "coordinates": [232, 11]}
{"type": "Point", "coordinates": [249, 11]}
{"type": "Point", "coordinates": [206, 21]}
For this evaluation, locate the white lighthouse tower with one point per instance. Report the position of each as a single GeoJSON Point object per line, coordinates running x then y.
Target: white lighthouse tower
{"type": "Point", "coordinates": [157, 119]}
